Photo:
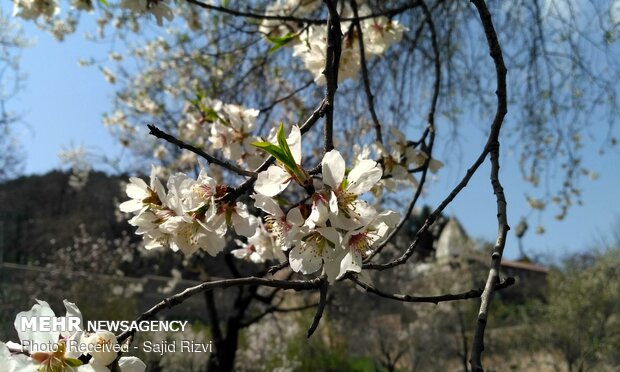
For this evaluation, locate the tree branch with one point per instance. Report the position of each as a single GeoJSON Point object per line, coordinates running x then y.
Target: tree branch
{"type": "Point", "coordinates": [430, 129]}
{"type": "Point", "coordinates": [238, 13]}
{"type": "Point", "coordinates": [474, 293]}
{"type": "Point", "coordinates": [492, 146]}
{"type": "Point", "coordinates": [332, 63]}
{"type": "Point", "coordinates": [153, 130]}
{"type": "Point", "coordinates": [239, 190]}
{"type": "Point", "coordinates": [369, 97]}
{"type": "Point", "coordinates": [321, 307]}
{"type": "Point", "coordinates": [276, 309]}
{"type": "Point", "coordinates": [282, 99]}
{"type": "Point", "coordinates": [297, 285]}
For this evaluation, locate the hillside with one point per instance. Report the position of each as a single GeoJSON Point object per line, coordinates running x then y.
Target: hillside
{"type": "Point", "coordinates": [42, 211]}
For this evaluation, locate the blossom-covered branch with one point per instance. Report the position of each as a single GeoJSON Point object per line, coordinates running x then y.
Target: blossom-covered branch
{"type": "Point", "coordinates": [153, 130]}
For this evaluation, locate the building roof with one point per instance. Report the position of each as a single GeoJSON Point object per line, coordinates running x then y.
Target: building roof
{"type": "Point", "coordinates": [524, 266]}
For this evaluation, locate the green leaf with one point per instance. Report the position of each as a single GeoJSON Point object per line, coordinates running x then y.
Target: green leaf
{"type": "Point", "coordinates": [71, 361]}
{"type": "Point", "coordinates": [277, 153]}
{"type": "Point", "coordinates": [104, 2]}
{"type": "Point", "coordinates": [211, 115]}
{"type": "Point", "coordinates": [279, 42]}
{"type": "Point", "coordinates": [283, 144]}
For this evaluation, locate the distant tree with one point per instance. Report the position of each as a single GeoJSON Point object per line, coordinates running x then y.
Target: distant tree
{"type": "Point", "coordinates": [581, 316]}
{"type": "Point", "coordinates": [11, 80]}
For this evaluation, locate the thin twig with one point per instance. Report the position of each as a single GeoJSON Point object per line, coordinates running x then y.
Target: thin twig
{"type": "Point", "coordinates": [369, 97]}
{"type": "Point", "coordinates": [276, 309]}
{"type": "Point", "coordinates": [297, 285]}
{"type": "Point", "coordinates": [275, 268]}
{"type": "Point", "coordinates": [288, 96]}
{"type": "Point", "coordinates": [153, 130]}
{"type": "Point", "coordinates": [474, 293]}
{"type": "Point", "coordinates": [284, 18]}
{"type": "Point", "coordinates": [430, 129]}
{"type": "Point", "coordinates": [321, 307]}
{"type": "Point", "coordinates": [239, 13]}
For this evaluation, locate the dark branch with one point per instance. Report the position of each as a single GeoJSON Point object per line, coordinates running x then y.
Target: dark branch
{"type": "Point", "coordinates": [332, 63]}
{"type": "Point", "coordinates": [288, 96]}
{"type": "Point", "coordinates": [320, 308]}
{"type": "Point", "coordinates": [492, 147]}
{"type": "Point", "coordinates": [297, 285]}
{"type": "Point", "coordinates": [430, 129]}
{"type": "Point", "coordinates": [153, 130]}
{"type": "Point", "coordinates": [369, 97]}
{"type": "Point", "coordinates": [284, 18]}
{"type": "Point", "coordinates": [474, 293]}
{"type": "Point", "coordinates": [276, 309]}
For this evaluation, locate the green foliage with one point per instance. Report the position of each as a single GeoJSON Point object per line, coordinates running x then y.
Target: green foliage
{"type": "Point", "coordinates": [279, 42]}
{"type": "Point", "coordinates": [581, 316]}
{"type": "Point", "coordinates": [324, 351]}
{"type": "Point", "coordinates": [282, 153]}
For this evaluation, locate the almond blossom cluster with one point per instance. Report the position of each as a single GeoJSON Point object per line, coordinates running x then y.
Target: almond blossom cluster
{"type": "Point", "coordinates": [334, 229]}
{"type": "Point", "coordinates": [158, 8]}
{"type": "Point", "coordinates": [186, 215]}
{"type": "Point", "coordinates": [273, 28]}
{"type": "Point", "coordinates": [397, 158]}
{"type": "Point", "coordinates": [58, 351]}
{"type": "Point", "coordinates": [33, 9]}
{"type": "Point", "coordinates": [224, 127]}
{"type": "Point", "coordinates": [378, 33]}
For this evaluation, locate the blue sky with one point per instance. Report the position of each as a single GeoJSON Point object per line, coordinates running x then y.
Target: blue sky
{"type": "Point", "coordinates": [62, 104]}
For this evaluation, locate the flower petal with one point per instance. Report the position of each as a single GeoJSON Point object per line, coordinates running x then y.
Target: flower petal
{"type": "Point", "coordinates": [131, 205]}
{"type": "Point", "coordinates": [352, 261]}
{"type": "Point", "coordinates": [212, 243]}
{"type": "Point", "coordinates": [294, 143]}
{"type": "Point", "coordinates": [333, 169]}
{"type": "Point", "coordinates": [331, 268]}
{"type": "Point", "coordinates": [243, 226]}
{"type": "Point", "coordinates": [272, 181]}
{"type": "Point", "coordinates": [41, 309]}
{"type": "Point", "coordinates": [136, 189]}
{"type": "Point", "coordinates": [267, 204]}
{"type": "Point", "coordinates": [131, 364]}
{"type": "Point", "coordinates": [363, 177]}
{"type": "Point", "coordinates": [72, 312]}
{"type": "Point", "coordinates": [330, 234]}
{"type": "Point", "coordinates": [294, 217]}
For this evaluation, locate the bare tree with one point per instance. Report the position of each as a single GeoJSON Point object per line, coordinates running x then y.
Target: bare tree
{"type": "Point", "coordinates": [11, 81]}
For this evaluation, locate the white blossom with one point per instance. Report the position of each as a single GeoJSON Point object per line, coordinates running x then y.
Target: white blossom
{"type": "Point", "coordinates": [158, 8]}
{"type": "Point", "coordinates": [316, 248]}
{"type": "Point", "coordinates": [360, 241]}
{"type": "Point", "coordinates": [32, 9]}
{"type": "Point", "coordinates": [276, 178]}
